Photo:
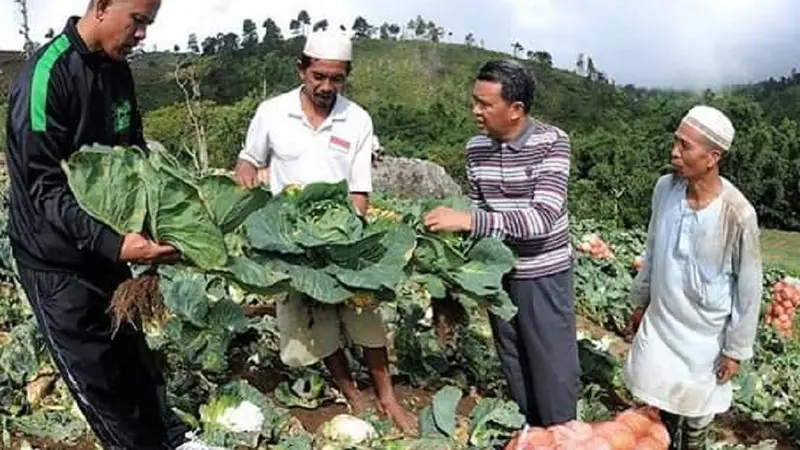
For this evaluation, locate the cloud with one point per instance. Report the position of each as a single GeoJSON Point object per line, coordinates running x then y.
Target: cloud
{"type": "Point", "coordinates": [679, 43]}
{"type": "Point", "coordinates": [688, 43]}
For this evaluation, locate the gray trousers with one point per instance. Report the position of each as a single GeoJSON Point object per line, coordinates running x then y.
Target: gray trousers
{"type": "Point", "coordinates": [538, 348]}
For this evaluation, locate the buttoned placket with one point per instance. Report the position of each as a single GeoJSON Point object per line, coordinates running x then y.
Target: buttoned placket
{"type": "Point", "coordinates": [318, 148]}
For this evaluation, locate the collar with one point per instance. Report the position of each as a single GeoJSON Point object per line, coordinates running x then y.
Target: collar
{"type": "Point", "coordinates": [518, 143]}
{"type": "Point", "coordinates": [338, 113]}
{"type": "Point", "coordinates": [75, 40]}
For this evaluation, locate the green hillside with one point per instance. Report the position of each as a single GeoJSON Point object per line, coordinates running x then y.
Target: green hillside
{"type": "Point", "coordinates": [418, 94]}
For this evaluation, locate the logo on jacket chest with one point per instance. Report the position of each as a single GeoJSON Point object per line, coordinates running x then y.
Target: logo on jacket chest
{"type": "Point", "coordinates": [122, 116]}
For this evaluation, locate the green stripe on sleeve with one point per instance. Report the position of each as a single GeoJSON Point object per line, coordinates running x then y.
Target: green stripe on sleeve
{"type": "Point", "coordinates": [41, 80]}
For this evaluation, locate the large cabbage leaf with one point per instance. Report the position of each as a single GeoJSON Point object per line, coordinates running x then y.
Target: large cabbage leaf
{"type": "Point", "coordinates": [229, 204]}
{"type": "Point", "coordinates": [475, 276]}
{"type": "Point", "coordinates": [375, 262]}
{"type": "Point", "coordinates": [314, 283]}
{"type": "Point", "coordinates": [270, 229]}
{"type": "Point", "coordinates": [130, 192]}
{"type": "Point", "coordinates": [184, 220]}
{"type": "Point", "coordinates": [107, 183]}
{"type": "Point", "coordinates": [253, 276]}
{"type": "Point", "coordinates": [439, 418]}
{"type": "Point", "coordinates": [488, 261]}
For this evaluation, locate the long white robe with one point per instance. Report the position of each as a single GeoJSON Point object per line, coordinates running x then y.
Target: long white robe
{"type": "Point", "coordinates": [702, 283]}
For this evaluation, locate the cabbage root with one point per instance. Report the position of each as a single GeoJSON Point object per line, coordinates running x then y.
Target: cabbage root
{"type": "Point", "coordinates": [136, 300]}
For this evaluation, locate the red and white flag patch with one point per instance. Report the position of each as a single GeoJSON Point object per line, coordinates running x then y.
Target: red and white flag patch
{"type": "Point", "coordinates": [339, 144]}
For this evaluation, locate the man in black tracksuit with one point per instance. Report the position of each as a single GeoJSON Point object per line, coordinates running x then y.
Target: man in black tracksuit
{"type": "Point", "coordinates": [78, 90]}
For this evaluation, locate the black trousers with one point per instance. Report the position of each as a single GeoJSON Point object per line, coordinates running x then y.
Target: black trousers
{"type": "Point", "coordinates": [113, 379]}
{"type": "Point", "coordinates": [538, 348]}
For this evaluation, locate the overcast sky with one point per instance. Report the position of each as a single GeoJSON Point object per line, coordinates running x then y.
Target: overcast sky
{"type": "Point", "coordinates": [663, 43]}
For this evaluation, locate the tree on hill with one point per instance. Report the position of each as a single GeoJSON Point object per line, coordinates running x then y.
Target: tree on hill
{"type": "Point", "coordinates": [516, 49]}
{"type": "Point", "coordinates": [420, 27]}
{"type": "Point", "coordinates": [210, 45]}
{"type": "Point", "coordinates": [434, 31]}
{"type": "Point", "coordinates": [295, 27]}
{"type": "Point", "coordinates": [192, 45]}
{"type": "Point", "coordinates": [304, 21]}
{"type": "Point", "coordinates": [249, 34]}
{"type": "Point", "coordinates": [383, 32]}
{"type": "Point", "coordinates": [591, 71]}
{"type": "Point", "coordinates": [362, 29]}
{"type": "Point", "coordinates": [272, 34]}
{"type": "Point", "coordinates": [321, 25]}
{"type": "Point", "coordinates": [469, 40]}
{"type": "Point", "coordinates": [542, 57]}
{"type": "Point", "coordinates": [389, 31]}
{"type": "Point", "coordinates": [394, 30]}
{"type": "Point", "coordinates": [228, 43]}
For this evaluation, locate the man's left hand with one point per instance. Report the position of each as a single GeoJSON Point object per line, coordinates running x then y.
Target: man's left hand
{"type": "Point", "coordinates": [727, 369]}
{"type": "Point", "coordinates": [444, 219]}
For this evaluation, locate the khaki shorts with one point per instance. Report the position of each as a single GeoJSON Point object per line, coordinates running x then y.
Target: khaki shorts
{"type": "Point", "coordinates": [302, 346]}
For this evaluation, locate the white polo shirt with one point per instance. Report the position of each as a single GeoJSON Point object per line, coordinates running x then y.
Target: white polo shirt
{"type": "Point", "coordinates": [341, 148]}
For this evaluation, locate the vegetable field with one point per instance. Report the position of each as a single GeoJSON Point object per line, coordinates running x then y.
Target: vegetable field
{"type": "Point", "coordinates": [211, 320]}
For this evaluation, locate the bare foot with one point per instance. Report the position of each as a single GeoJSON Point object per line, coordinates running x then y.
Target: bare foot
{"type": "Point", "coordinates": [404, 420]}
{"type": "Point", "coordinates": [357, 403]}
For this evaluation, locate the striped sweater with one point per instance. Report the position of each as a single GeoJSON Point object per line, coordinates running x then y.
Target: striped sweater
{"type": "Point", "coordinates": [519, 190]}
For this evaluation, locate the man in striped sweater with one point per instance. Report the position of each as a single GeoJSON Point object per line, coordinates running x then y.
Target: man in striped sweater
{"type": "Point", "coordinates": [518, 170]}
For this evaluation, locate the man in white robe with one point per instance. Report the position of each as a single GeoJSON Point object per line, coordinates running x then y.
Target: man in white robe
{"type": "Point", "coordinates": [699, 288]}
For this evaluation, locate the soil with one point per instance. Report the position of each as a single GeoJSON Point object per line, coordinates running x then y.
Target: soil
{"type": "Point", "coordinates": [412, 398]}
{"type": "Point", "coordinates": [84, 443]}
{"type": "Point", "coordinates": [736, 427]}
{"type": "Point", "coordinates": [618, 347]}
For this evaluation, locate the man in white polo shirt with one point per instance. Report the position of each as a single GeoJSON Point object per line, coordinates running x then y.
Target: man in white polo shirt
{"type": "Point", "coordinates": [314, 134]}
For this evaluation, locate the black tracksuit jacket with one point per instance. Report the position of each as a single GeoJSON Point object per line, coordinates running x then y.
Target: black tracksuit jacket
{"type": "Point", "coordinates": [64, 97]}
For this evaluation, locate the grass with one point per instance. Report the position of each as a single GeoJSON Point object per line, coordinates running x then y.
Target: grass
{"type": "Point", "coordinates": [781, 249]}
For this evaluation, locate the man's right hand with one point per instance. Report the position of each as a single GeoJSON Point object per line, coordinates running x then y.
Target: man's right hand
{"type": "Point", "coordinates": [246, 174]}
{"type": "Point", "coordinates": [137, 248]}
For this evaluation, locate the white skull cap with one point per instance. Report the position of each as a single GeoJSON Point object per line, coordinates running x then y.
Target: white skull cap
{"type": "Point", "coordinates": [332, 45]}
{"type": "Point", "coordinates": [713, 124]}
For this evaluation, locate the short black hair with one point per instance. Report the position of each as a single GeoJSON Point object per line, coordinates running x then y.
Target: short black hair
{"type": "Point", "coordinates": [518, 82]}
{"type": "Point", "coordinates": [305, 61]}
